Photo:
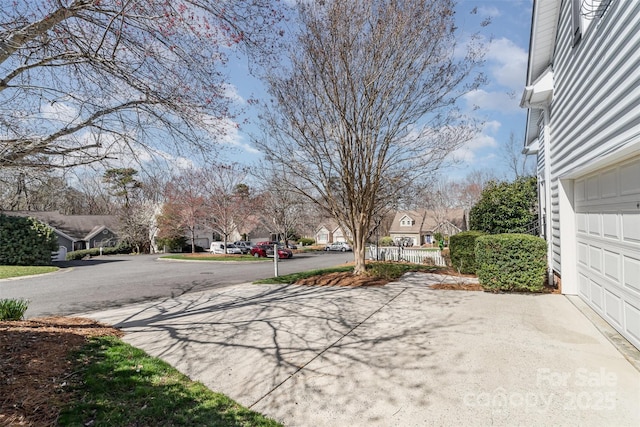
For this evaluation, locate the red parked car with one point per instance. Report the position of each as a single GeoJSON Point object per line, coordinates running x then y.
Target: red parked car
{"type": "Point", "coordinates": [267, 251]}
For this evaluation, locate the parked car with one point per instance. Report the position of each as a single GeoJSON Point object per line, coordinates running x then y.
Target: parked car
{"type": "Point", "coordinates": [233, 249]}
{"type": "Point", "coordinates": [284, 252]}
{"type": "Point", "coordinates": [268, 243]}
{"type": "Point", "coordinates": [245, 247]}
{"type": "Point", "coordinates": [273, 242]}
{"type": "Point", "coordinates": [338, 246]}
{"type": "Point", "coordinates": [219, 248]}
{"type": "Point", "coordinates": [259, 251]}
{"type": "Point", "coordinates": [267, 251]}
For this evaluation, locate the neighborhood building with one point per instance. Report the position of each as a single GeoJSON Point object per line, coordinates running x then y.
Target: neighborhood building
{"type": "Point", "coordinates": [583, 124]}
{"type": "Point", "coordinates": [418, 227]}
{"type": "Point", "coordinates": [76, 232]}
{"type": "Point", "coordinates": [329, 232]}
{"type": "Point", "coordinates": [409, 227]}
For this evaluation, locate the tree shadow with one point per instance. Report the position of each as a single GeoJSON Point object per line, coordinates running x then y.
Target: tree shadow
{"type": "Point", "coordinates": [86, 262]}
{"type": "Point", "coordinates": [296, 352]}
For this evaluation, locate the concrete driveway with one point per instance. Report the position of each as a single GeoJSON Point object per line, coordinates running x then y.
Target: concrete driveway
{"type": "Point", "coordinates": [398, 355]}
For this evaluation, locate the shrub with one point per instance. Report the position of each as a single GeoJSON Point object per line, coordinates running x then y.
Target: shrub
{"type": "Point", "coordinates": [386, 241]}
{"type": "Point", "coordinates": [511, 262]}
{"type": "Point", "coordinates": [462, 251]}
{"type": "Point", "coordinates": [388, 271]}
{"type": "Point", "coordinates": [393, 270]}
{"type": "Point", "coordinates": [13, 309]}
{"type": "Point", "coordinates": [305, 241]}
{"type": "Point", "coordinates": [506, 207]}
{"type": "Point", "coordinates": [172, 244]}
{"type": "Point", "coordinates": [25, 241]}
{"type": "Point", "coordinates": [187, 248]}
{"type": "Point", "coordinates": [111, 250]}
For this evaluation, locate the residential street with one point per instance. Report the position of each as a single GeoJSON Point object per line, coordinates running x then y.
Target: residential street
{"type": "Point", "coordinates": [114, 281]}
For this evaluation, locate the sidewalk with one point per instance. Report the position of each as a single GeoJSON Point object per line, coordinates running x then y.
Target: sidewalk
{"type": "Point", "coordinates": [398, 355]}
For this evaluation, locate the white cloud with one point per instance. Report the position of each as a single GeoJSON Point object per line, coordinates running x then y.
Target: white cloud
{"type": "Point", "coordinates": [490, 11]}
{"type": "Point", "coordinates": [492, 126]}
{"type": "Point", "coordinates": [229, 134]}
{"type": "Point", "coordinates": [507, 63]}
{"type": "Point", "coordinates": [497, 101]}
{"type": "Point", "coordinates": [59, 111]}
{"type": "Point", "coordinates": [468, 154]}
{"type": "Point", "coordinates": [231, 92]}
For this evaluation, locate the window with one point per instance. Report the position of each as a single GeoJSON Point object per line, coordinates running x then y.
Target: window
{"type": "Point", "coordinates": [583, 13]}
{"type": "Point", "coordinates": [406, 222]}
{"type": "Point", "coordinates": [593, 9]}
{"type": "Point", "coordinates": [576, 21]}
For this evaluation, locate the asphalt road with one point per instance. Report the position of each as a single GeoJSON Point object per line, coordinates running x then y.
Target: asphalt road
{"type": "Point", "coordinates": [115, 281]}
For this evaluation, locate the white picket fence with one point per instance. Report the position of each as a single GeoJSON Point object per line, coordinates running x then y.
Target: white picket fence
{"type": "Point", "coordinates": [413, 255]}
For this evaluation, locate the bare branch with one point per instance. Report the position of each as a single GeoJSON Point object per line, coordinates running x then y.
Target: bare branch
{"type": "Point", "coordinates": [127, 73]}
{"type": "Point", "coordinates": [368, 104]}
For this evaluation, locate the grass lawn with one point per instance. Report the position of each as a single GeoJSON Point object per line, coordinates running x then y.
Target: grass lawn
{"type": "Point", "coordinates": [210, 257]}
{"type": "Point", "coordinates": [384, 270]}
{"type": "Point", "coordinates": [121, 385]}
{"type": "Point", "coordinates": [7, 271]}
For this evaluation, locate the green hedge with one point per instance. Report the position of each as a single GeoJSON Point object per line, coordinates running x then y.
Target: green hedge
{"type": "Point", "coordinates": [25, 241]}
{"type": "Point", "coordinates": [112, 250]}
{"type": "Point", "coordinates": [462, 251]}
{"type": "Point", "coordinates": [511, 262]}
{"type": "Point", "coordinates": [305, 241]}
{"type": "Point", "coordinates": [386, 241]}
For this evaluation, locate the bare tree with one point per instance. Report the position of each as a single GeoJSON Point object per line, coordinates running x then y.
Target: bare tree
{"type": "Point", "coordinates": [367, 104]}
{"type": "Point", "coordinates": [84, 80]}
{"type": "Point", "coordinates": [226, 194]}
{"type": "Point", "coordinates": [468, 191]}
{"type": "Point", "coordinates": [284, 207]}
{"type": "Point", "coordinates": [136, 223]}
{"type": "Point", "coordinates": [518, 163]}
{"type": "Point", "coordinates": [440, 200]}
{"type": "Point", "coordinates": [39, 190]}
{"type": "Point", "coordinates": [184, 209]}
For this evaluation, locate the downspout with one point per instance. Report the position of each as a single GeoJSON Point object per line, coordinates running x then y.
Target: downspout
{"type": "Point", "coordinates": [547, 191]}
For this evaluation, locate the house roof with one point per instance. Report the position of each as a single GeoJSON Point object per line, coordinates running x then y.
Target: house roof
{"type": "Point", "coordinates": [544, 26]}
{"type": "Point", "coordinates": [330, 225]}
{"type": "Point", "coordinates": [78, 227]}
{"type": "Point", "coordinates": [416, 216]}
{"type": "Point", "coordinates": [426, 221]}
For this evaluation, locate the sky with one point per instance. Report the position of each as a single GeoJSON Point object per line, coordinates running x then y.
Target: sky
{"type": "Point", "coordinates": [507, 41]}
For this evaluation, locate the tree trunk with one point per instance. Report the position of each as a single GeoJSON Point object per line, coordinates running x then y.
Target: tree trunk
{"type": "Point", "coordinates": [359, 250]}
{"type": "Point", "coordinates": [360, 257]}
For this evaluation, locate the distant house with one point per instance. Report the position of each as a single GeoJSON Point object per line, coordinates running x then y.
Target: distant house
{"type": "Point", "coordinates": [418, 227]}
{"type": "Point", "coordinates": [75, 232]}
{"type": "Point", "coordinates": [330, 232]}
{"type": "Point", "coordinates": [583, 125]}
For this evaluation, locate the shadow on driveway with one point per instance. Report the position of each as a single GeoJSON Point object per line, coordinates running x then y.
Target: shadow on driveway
{"type": "Point", "coordinates": [401, 354]}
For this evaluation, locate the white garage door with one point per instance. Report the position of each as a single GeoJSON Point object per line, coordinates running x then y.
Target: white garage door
{"type": "Point", "coordinates": [607, 207]}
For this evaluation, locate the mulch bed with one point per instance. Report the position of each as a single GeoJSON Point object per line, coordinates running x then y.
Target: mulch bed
{"type": "Point", "coordinates": [457, 286]}
{"type": "Point", "coordinates": [35, 369]}
{"type": "Point", "coordinates": [342, 279]}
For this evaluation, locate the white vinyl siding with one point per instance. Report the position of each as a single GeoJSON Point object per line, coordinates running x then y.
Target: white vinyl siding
{"type": "Point", "coordinates": [594, 111]}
